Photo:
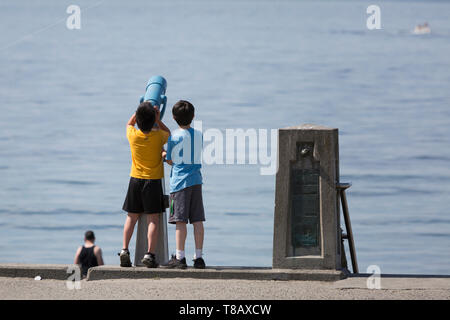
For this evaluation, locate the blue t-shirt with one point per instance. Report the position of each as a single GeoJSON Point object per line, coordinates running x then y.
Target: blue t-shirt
{"type": "Point", "coordinates": [184, 148]}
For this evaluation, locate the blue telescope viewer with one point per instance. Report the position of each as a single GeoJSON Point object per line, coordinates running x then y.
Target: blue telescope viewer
{"type": "Point", "coordinates": [155, 92]}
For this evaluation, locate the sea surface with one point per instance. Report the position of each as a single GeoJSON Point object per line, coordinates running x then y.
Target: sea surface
{"type": "Point", "coordinates": [66, 96]}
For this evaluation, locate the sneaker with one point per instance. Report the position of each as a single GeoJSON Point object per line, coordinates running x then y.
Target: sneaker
{"type": "Point", "coordinates": [124, 258]}
{"type": "Point", "coordinates": [199, 263]}
{"type": "Point", "coordinates": [150, 260]}
{"type": "Point", "coordinates": [174, 263]}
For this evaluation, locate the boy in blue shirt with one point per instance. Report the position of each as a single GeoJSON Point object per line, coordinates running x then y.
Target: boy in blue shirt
{"type": "Point", "coordinates": [184, 149]}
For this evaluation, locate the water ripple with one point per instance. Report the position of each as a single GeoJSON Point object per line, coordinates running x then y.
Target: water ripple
{"type": "Point", "coordinates": [240, 214]}
{"type": "Point", "coordinates": [411, 221]}
{"type": "Point", "coordinates": [434, 235]}
{"type": "Point", "coordinates": [69, 182]}
{"type": "Point", "coordinates": [56, 212]}
{"type": "Point", "coordinates": [68, 228]}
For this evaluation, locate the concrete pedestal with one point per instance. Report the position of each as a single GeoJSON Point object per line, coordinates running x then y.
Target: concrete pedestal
{"type": "Point", "coordinates": [162, 255]}
{"type": "Point", "coordinates": [306, 224]}
{"type": "Point", "coordinates": [162, 250]}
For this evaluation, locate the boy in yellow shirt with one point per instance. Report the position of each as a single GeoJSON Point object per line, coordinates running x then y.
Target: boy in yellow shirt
{"type": "Point", "coordinates": [145, 195]}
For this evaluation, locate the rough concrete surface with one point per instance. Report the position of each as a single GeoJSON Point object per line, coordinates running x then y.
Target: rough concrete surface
{"type": "Point", "coordinates": [60, 272]}
{"type": "Point", "coordinates": [182, 288]}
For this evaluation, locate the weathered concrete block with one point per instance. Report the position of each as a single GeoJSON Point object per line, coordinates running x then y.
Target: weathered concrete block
{"type": "Point", "coordinates": [45, 271]}
{"type": "Point", "coordinates": [306, 222]}
{"type": "Point", "coordinates": [242, 273]}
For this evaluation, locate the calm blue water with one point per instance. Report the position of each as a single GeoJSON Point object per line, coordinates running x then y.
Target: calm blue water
{"type": "Point", "coordinates": [65, 97]}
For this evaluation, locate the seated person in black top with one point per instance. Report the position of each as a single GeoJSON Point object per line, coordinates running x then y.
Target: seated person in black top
{"type": "Point", "coordinates": [89, 255]}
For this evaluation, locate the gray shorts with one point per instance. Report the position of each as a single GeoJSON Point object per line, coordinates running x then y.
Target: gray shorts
{"type": "Point", "coordinates": [187, 205]}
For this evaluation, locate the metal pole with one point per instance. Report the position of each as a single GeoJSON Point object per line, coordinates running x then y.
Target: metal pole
{"type": "Point", "coordinates": [348, 227]}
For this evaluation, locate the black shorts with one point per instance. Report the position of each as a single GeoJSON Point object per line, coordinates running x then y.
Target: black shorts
{"type": "Point", "coordinates": [144, 196]}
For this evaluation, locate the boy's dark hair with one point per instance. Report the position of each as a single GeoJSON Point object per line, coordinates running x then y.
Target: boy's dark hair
{"type": "Point", "coordinates": [145, 116]}
{"type": "Point", "coordinates": [183, 112]}
{"type": "Point", "coordinates": [89, 235]}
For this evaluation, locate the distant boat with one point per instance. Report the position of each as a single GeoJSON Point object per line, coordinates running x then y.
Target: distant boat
{"type": "Point", "coordinates": [422, 29]}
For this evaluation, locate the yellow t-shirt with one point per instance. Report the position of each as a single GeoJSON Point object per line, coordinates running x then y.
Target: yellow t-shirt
{"type": "Point", "coordinates": [146, 158]}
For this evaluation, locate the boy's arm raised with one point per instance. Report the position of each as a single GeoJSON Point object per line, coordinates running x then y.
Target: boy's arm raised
{"type": "Point", "coordinates": [132, 120]}
{"type": "Point", "coordinates": [158, 121]}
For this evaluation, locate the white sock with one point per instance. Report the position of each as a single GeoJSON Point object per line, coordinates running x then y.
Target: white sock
{"type": "Point", "coordinates": [198, 253]}
{"type": "Point", "coordinates": [180, 254]}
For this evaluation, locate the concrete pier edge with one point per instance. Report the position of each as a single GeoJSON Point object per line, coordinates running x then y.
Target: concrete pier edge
{"type": "Point", "coordinates": [45, 271]}
{"type": "Point", "coordinates": [59, 272]}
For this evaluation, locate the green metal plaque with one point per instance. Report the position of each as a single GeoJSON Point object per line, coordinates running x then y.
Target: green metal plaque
{"type": "Point", "coordinates": [305, 207]}
{"type": "Point", "coordinates": [306, 233]}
